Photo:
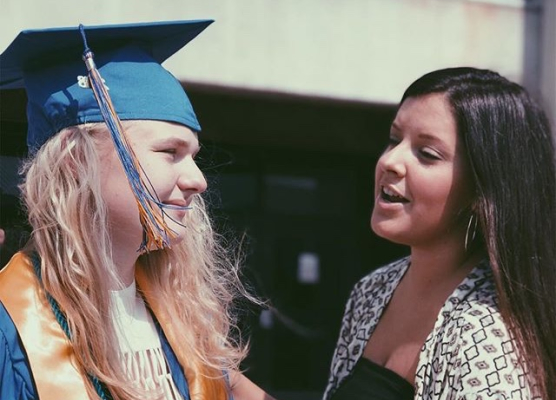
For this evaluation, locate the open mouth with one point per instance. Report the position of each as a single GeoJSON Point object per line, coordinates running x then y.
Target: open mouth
{"type": "Point", "coordinates": [391, 197]}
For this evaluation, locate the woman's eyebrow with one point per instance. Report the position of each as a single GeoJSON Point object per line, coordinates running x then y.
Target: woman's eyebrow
{"type": "Point", "coordinates": [432, 138]}
{"type": "Point", "coordinates": [174, 141]}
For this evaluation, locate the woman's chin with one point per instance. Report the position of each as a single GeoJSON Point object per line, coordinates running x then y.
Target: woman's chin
{"type": "Point", "coordinates": [381, 228]}
{"type": "Point", "coordinates": [389, 232]}
{"type": "Point", "coordinates": [177, 235]}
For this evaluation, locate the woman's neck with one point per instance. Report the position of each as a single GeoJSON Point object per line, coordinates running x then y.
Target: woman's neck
{"type": "Point", "coordinates": [440, 266]}
{"type": "Point", "coordinates": [125, 260]}
{"type": "Point", "coordinates": [124, 247]}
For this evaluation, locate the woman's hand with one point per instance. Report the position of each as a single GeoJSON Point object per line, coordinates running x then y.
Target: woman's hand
{"type": "Point", "coordinates": [244, 389]}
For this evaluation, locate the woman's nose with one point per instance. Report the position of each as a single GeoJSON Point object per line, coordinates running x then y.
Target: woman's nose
{"type": "Point", "coordinates": [393, 160]}
{"type": "Point", "coordinates": [191, 178]}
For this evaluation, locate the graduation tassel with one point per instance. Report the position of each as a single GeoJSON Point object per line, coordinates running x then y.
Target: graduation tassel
{"type": "Point", "coordinates": [156, 233]}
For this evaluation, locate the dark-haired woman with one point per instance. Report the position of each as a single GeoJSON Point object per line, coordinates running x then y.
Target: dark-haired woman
{"type": "Point", "coordinates": [467, 181]}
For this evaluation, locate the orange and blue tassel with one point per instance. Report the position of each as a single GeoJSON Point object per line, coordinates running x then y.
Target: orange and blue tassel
{"type": "Point", "coordinates": [156, 233]}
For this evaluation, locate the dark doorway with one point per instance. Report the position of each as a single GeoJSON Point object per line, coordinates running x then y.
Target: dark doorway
{"type": "Point", "coordinates": [295, 174]}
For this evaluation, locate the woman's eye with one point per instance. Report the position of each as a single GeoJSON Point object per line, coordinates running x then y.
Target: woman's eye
{"type": "Point", "coordinates": [168, 151]}
{"type": "Point", "coordinates": [429, 155]}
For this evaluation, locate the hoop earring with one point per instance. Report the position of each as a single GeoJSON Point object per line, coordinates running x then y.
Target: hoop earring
{"type": "Point", "coordinates": [471, 231]}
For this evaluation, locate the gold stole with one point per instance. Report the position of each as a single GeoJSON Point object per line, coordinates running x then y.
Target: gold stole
{"type": "Point", "coordinates": [49, 351]}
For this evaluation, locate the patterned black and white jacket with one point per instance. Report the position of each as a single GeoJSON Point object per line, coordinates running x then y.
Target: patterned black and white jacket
{"type": "Point", "coordinates": [468, 355]}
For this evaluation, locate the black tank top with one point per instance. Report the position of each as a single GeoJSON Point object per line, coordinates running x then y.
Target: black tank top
{"type": "Point", "coordinates": [370, 381]}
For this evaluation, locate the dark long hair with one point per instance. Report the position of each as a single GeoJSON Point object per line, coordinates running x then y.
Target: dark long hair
{"type": "Point", "coordinates": [511, 153]}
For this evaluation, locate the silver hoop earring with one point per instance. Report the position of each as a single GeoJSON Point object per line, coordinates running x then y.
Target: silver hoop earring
{"type": "Point", "coordinates": [471, 231]}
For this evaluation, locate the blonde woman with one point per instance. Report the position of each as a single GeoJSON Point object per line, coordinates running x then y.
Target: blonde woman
{"type": "Point", "coordinates": [123, 291]}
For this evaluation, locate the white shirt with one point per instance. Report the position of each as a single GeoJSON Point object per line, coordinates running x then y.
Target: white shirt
{"type": "Point", "coordinates": [140, 348]}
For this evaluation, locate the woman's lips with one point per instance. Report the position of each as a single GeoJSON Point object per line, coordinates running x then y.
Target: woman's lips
{"type": "Point", "coordinates": [392, 196]}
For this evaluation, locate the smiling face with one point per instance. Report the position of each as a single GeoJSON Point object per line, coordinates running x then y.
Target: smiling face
{"type": "Point", "coordinates": [422, 181]}
{"type": "Point", "coordinates": [166, 152]}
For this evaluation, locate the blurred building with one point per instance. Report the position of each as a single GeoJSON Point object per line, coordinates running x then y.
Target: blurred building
{"type": "Point", "coordinates": [295, 98]}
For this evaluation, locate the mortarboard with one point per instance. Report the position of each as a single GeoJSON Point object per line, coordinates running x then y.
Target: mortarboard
{"type": "Point", "coordinates": [65, 87]}
{"type": "Point", "coordinates": [48, 64]}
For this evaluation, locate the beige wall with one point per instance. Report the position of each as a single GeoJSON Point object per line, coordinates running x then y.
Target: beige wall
{"type": "Point", "coordinates": [366, 50]}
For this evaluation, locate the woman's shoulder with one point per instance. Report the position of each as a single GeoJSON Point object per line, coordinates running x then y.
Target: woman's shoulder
{"type": "Point", "coordinates": [8, 332]}
{"type": "Point", "coordinates": [472, 310]}
{"type": "Point", "coordinates": [472, 347]}
{"type": "Point", "coordinates": [478, 325]}
{"type": "Point", "coordinates": [16, 381]}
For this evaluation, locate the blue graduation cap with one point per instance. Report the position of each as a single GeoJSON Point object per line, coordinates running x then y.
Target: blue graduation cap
{"type": "Point", "coordinates": [118, 78]}
{"type": "Point", "coordinates": [48, 64]}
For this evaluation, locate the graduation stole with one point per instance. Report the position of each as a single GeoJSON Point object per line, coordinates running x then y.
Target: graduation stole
{"type": "Point", "coordinates": [50, 352]}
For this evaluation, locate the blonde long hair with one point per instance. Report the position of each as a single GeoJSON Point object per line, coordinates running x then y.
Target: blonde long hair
{"type": "Point", "coordinates": [195, 280]}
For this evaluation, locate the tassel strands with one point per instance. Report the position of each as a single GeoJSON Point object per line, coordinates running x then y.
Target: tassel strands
{"type": "Point", "coordinates": [156, 233]}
